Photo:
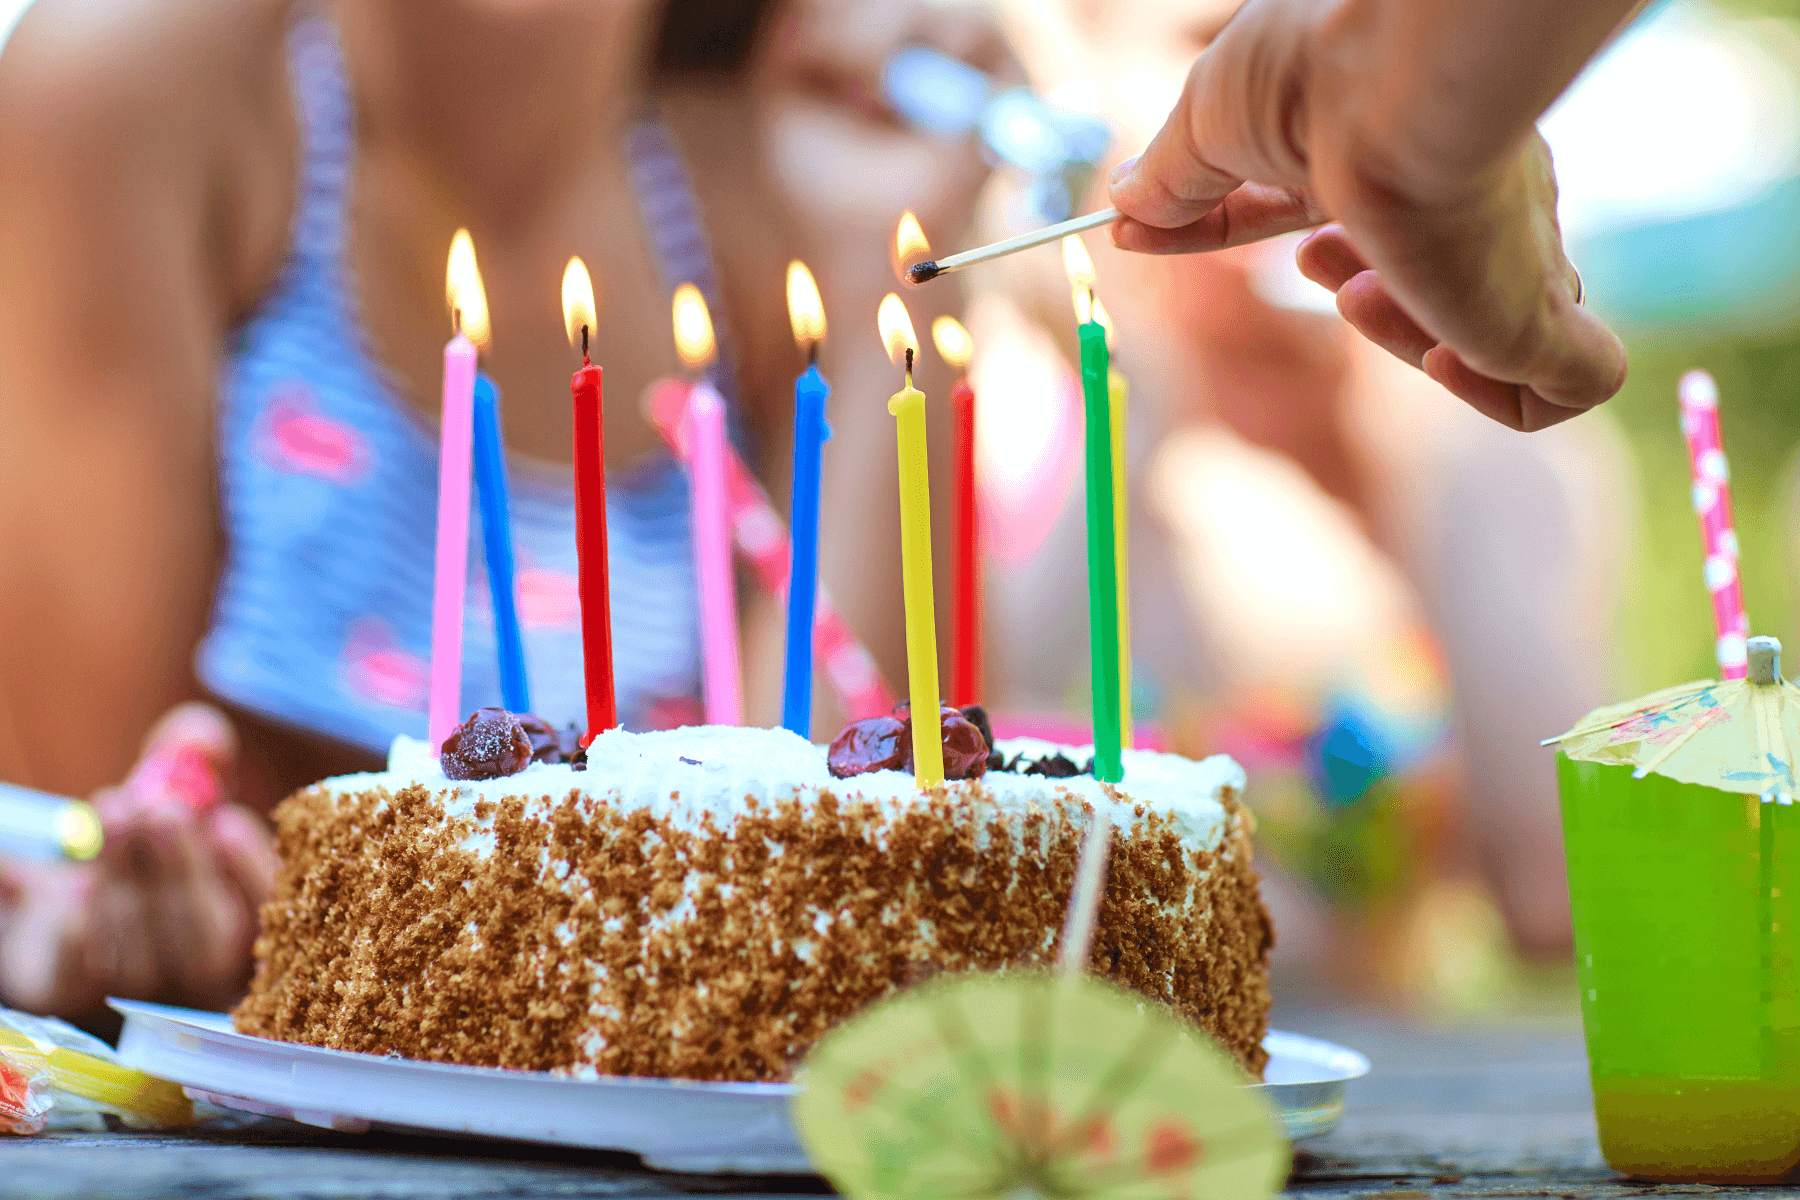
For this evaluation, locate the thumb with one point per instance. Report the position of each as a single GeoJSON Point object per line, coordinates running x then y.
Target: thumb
{"type": "Point", "coordinates": [1170, 185]}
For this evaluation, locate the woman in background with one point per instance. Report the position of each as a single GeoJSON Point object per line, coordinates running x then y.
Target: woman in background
{"type": "Point", "coordinates": [221, 320]}
{"type": "Point", "coordinates": [1326, 513]}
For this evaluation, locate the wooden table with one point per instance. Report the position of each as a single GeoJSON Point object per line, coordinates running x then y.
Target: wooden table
{"type": "Point", "coordinates": [1478, 1111]}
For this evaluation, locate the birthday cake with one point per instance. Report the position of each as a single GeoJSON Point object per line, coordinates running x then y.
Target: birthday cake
{"type": "Point", "coordinates": [705, 903]}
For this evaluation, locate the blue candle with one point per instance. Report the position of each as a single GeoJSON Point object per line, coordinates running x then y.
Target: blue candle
{"type": "Point", "coordinates": [810, 435]}
{"type": "Point", "coordinates": [806, 313]}
{"type": "Point", "coordinates": [496, 536]}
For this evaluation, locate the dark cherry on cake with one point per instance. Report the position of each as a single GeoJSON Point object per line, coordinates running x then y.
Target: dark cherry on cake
{"type": "Point", "coordinates": [965, 750]}
{"type": "Point", "coordinates": [548, 743]}
{"type": "Point", "coordinates": [491, 743]}
{"type": "Point", "coordinates": [978, 717]}
{"type": "Point", "coordinates": [877, 744]}
{"type": "Point", "coordinates": [885, 743]}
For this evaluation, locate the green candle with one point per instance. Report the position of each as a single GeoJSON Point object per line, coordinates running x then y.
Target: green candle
{"type": "Point", "coordinates": [1103, 579]}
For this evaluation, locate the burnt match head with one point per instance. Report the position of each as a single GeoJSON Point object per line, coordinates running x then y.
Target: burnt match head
{"type": "Point", "coordinates": [922, 272]}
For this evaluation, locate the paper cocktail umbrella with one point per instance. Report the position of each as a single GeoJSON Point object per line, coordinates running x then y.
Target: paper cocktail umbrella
{"type": "Point", "coordinates": [1033, 1085]}
{"type": "Point", "coordinates": [1737, 736]}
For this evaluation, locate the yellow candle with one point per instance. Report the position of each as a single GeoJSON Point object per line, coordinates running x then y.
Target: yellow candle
{"type": "Point", "coordinates": [908, 409]}
{"type": "Point", "coordinates": [1117, 392]}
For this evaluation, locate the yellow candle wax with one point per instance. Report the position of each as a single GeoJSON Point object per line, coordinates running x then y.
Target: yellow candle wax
{"type": "Point", "coordinates": [1117, 393]}
{"type": "Point", "coordinates": [908, 408]}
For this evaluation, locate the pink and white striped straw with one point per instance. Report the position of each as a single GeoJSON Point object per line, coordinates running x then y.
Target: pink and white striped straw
{"type": "Point", "coordinates": [1712, 503]}
{"type": "Point", "coordinates": [705, 438]}
{"type": "Point", "coordinates": [455, 452]}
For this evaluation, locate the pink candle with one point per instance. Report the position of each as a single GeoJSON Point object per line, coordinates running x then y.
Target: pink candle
{"type": "Point", "coordinates": [761, 538]}
{"type": "Point", "coordinates": [704, 430]}
{"type": "Point", "coordinates": [469, 309]}
{"type": "Point", "coordinates": [703, 448]}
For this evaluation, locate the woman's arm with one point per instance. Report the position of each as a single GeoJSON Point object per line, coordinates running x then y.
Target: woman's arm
{"type": "Point", "coordinates": [1410, 124]}
{"type": "Point", "coordinates": [146, 198]}
{"type": "Point", "coordinates": [140, 212]}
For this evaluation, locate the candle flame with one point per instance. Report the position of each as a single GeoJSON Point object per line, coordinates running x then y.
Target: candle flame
{"type": "Point", "coordinates": [1080, 269]}
{"type": "Point", "coordinates": [1077, 263]}
{"type": "Point", "coordinates": [896, 328]}
{"type": "Point", "coordinates": [464, 293]}
{"type": "Point", "coordinates": [806, 312]}
{"type": "Point", "coordinates": [909, 243]}
{"type": "Point", "coordinates": [1105, 321]}
{"type": "Point", "coordinates": [577, 299]}
{"type": "Point", "coordinates": [952, 341]}
{"type": "Point", "coordinates": [693, 327]}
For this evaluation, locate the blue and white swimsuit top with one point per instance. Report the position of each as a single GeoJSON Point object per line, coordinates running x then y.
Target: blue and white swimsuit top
{"type": "Point", "coordinates": [328, 490]}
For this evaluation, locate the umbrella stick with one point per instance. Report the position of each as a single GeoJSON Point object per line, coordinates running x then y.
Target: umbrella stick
{"type": "Point", "coordinates": [1084, 901]}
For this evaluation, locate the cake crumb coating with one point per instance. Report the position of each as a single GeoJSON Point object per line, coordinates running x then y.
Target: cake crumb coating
{"type": "Point", "coordinates": [599, 940]}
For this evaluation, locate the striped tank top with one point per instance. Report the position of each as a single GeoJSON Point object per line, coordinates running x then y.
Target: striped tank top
{"type": "Point", "coordinates": [328, 490]}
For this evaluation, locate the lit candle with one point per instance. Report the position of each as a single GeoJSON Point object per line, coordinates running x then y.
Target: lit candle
{"type": "Point", "coordinates": [807, 315]}
{"type": "Point", "coordinates": [1118, 392]}
{"type": "Point", "coordinates": [953, 343]}
{"type": "Point", "coordinates": [703, 436]}
{"type": "Point", "coordinates": [468, 309]}
{"type": "Point", "coordinates": [1103, 579]}
{"type": "Point", "coordinates": [761, 538]}
{"type": "Point", "coordinates": [590, 508]}
{"type": "Point", "coordinates": [496, 540]}
{"type": "Point", "coordinates": [908, 409]}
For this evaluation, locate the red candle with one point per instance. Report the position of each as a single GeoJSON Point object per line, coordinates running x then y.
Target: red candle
{"type": "Point", "coordinates": [953, 344]}
{"type": "Point", "coordinates": [965, 674]}
{"type": "Point", "coordinates": [590, 509]}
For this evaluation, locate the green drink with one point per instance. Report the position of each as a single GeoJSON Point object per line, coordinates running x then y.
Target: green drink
{"type": "Point", "coordinates": [1684, 904]}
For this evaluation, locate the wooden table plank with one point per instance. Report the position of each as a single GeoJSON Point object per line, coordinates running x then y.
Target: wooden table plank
{"type": "Point", "coordinates": [1447, 1114]}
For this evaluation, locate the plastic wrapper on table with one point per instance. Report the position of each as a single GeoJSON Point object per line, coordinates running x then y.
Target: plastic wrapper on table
{"type": "Point", "coordinates": [25, 1096]}
{"type": "Point", "coordinates": [82, 1082]}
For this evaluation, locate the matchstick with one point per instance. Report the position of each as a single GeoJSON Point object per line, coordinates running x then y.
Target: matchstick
{"type": "Point", "coordinates": [925, 271]}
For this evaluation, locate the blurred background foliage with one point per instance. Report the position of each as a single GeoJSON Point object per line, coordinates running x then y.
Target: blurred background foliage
{"type": "Point", "coordinates": [1666, 629]}
{"type": "Point", "coordinates": [1679, 153]}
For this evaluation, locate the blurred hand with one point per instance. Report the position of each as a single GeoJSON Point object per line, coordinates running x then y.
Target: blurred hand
{"type": "Point", "coordinates": [1460, 272]}
{"type": "Point", "coordinates": [845, 162]}
{"type": "Point", "coordinates": [168, 911]}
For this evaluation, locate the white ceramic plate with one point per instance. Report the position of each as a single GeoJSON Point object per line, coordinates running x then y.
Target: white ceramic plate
{"type": "Point", "coordinates": [672, 1124]}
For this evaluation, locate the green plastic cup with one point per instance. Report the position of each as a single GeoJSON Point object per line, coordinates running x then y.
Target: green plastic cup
{"type": "Point", "coordinates": [1684, 904]}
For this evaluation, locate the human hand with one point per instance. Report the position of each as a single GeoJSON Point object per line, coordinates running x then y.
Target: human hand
{"type": "Point", "coordinates": [168, 910]}
{"type": "Point", "coordinates": [1460, 272]}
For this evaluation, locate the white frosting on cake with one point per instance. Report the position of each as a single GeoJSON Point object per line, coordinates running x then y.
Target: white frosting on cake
{"type": "Point", "coordinates": [713, 771]}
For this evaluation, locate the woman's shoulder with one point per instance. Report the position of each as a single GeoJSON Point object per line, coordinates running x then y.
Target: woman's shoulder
{"type": "Point", "coordinates": [150, 58]}
{"type": "Point", "coordinates": [115, 106]}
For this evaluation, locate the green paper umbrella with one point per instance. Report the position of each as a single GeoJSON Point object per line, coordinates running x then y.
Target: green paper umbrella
{"type": "Point", "coordinates": [1033, 1085]}
{"type": "Point", "coordinates": [1736, 736]}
